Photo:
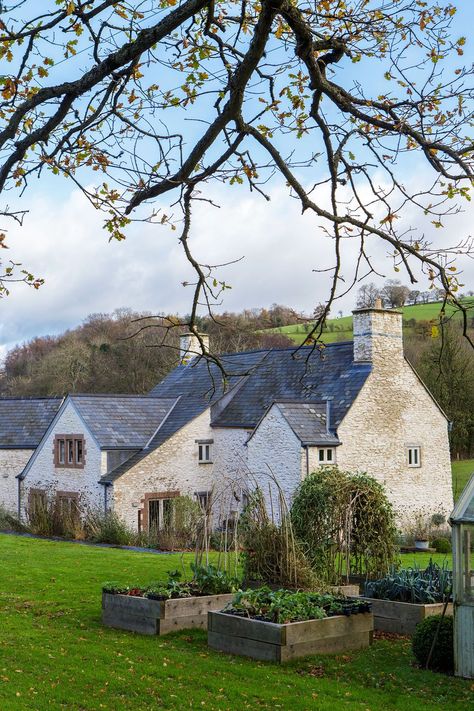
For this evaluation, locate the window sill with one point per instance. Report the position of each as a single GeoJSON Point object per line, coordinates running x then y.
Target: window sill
{"type": "Point", "coordinates": [205, 462]}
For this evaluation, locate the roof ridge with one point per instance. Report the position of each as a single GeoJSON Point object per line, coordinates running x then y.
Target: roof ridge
{"type": "Point", "coordinates": [27, 398]}
{"type": "Point", "coordinates": [281, 349]}
{"type": "Point", "coordinates": [119, 395]}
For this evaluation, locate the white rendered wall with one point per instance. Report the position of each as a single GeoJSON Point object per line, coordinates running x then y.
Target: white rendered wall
{"type": "Point", "coordinates": [12, 462]}
{"type": "Point", "coordinates": [44, 475]}
{"type": "Point", "coordinates": [275, 450]}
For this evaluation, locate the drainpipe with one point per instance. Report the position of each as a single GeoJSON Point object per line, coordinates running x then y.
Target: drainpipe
{"type": "Point", "coordinates": [106, 502]}
{"type": "Point", "coordinates": [19, 499]}
{"type": "Point", "coordinates": [307, 459]}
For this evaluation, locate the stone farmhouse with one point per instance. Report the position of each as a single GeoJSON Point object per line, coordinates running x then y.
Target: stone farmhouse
{"type": "Point", "coordinates": [280, 414]}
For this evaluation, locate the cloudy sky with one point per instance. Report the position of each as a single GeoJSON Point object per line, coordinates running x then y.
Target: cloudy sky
{"type": "Point", "coordinates": [62, 241]}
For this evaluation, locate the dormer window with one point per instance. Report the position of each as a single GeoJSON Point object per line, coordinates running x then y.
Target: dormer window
{"type": "Point", "coordinates": [326, 455]}
{"type": "Point", "coordinates": [69, 451]}
{"type": "Point", "coordinates": [205, 450]}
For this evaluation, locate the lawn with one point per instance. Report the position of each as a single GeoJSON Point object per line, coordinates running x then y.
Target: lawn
{"type": "Point", "coordinates": [462, 470]}
{"type": "Point", "coordinates": [54, 653]}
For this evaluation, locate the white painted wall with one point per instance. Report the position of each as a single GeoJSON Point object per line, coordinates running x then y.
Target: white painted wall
{"type": "Point", "coordinates": [12, 463]}
{"type": "Point", "coordinates": [274, 448]}
{"type": "Point", "coordinates": [44, 475]}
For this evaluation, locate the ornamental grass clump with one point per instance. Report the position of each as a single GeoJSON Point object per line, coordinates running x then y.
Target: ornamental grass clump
{"type": "Point", "coordinates": [271, 553]}
{"type": "Point", "coordinates": [423, 587]}
{"type": "Point", "coordinates": [345, 525]}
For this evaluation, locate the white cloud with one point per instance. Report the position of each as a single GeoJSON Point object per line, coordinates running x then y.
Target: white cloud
{"type": "Point", "coordinates": [84, 273]}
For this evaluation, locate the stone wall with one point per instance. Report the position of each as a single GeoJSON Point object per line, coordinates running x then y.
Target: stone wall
{"type": "Point", "coordinates": [377, 336]}
{"type": "Point", "coordinates": [44, 475]}
{"type": "Point", "coordinates": [12, 463]}
{"type": "Point", "coordinates": [274, 448]}
{"type": "Point", "coordinates": [173, 467]}
{"type": "Point", "coordinates": [394, 411]}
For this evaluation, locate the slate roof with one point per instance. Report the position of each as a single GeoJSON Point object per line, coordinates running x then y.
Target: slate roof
{"type": "Point", "coordinates": [197, 385]}
{"type": "Point", "coordinates": [306, 375]}
{"type": "Point", "coordinates": [308, 420]}
{"type": "Point", "coordinates": [122, 421]}
{"type": "Point", "coordinates": [257, 379]}
{"type": "Point", "coordinates": [24, 420]}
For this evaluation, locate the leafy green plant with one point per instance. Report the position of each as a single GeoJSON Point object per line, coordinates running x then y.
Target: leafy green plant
{"type": "Point", "coordinates": [107, 527]}
{"type": "Point", "coordinates": [442, 657]}
{"type": "Point", "coordinates": [209, 580]}
{"type": "Point", "coordinates": [284, 606]}
{"type": "Point", "coordinates": [115, 588]}
{"type": "Point", "coordinates": [434, 584]}
{"type": "Point", "coordinates": [345, 524]}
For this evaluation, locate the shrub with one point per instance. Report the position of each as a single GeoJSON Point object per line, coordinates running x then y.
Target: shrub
{"type": "Point", "coordinates": [271, 553]}
{"type": "Point", "coordinates": [49, 517]}
{"type": "Point", "coordinates": [441, 545]}
{"type": "Point", "coordinates": [442, 658]}
{"type": "Point", "coordinates": [107, 527]}
{"type": "Point", "coordinates": [345, 524]}
{"type": "Point", "coordinates": [180, 530]}
{"type": "Point", "coordinates": [10, 522]}
{"type": "Point", "coordinates": [424, 587]}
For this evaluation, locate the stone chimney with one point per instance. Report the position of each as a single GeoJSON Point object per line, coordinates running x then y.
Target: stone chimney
{"type": "Point", "coordinates": [377, 334]}
{"type": "Point", "coordinates": [189, 346]}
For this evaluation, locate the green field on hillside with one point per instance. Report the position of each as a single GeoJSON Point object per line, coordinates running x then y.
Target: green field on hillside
{"type": "Point", "coordinates": [340, 329]}
{"type": "Point", "coordinates": [462, 471]}
{"type": "Point", "coordinates": [55, 653]}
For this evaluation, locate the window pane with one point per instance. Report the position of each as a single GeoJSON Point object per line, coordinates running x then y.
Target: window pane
{"type": "Point", "coordinates": [200, 453]}
{"type": "Point", "coordinates": [329, 455]}
{"type": "Point", "coordinates": [410, 459]}
{"type": "Point", "coordinates": [321, 455]}
{"type": "Point", "coordinates": [70, 451]}
{"type": "Point", "coordinates": [167, 513]}
{"type": "Point", "coordinates": [79, 450]}
{"type": "Point", "coordinates": [61, 451]}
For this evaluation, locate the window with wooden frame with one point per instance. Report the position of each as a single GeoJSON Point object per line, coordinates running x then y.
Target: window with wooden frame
{"type": "Point", "coordinates": [37, 501]}
{"type": "Point", "coordinates": [68, 504]}
{"type": "Point", "coordinates": [69, 451]}
{"type": "Point", "coordinates": [205, 450]}
{"type": "Point", "coordinates": [326, 455]}
{"type": "Point", "coordinates": [203, 499]}
{"type": "Point", "coordinates": [414, 456]}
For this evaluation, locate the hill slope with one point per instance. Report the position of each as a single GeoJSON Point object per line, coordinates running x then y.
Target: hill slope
{"type": "Point", "coordinates": [340, 329]}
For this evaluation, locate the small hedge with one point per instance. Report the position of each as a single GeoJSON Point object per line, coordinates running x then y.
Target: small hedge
{"type": "Point", "coordinates": [442, 658]}
{"type": "Point", "coordinates": [441, 545]}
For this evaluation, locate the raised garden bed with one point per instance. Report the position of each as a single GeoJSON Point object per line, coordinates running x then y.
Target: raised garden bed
{"type": "Point", "coordinates": [268, 641]}
{"type": "Point", "coordinates": [405, 597]}
{"type": "Point", "coordinates": [402, 617]}
{"type": "Point", "coordinates": [158, 617]}
{"type": "Point", "coordinates": [166, 606]}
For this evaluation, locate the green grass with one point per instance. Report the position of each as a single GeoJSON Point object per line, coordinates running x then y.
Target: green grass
{"type": "Point", "coordinates": [54, 653]}
{"type": "Point", "coordinates": [340, 329]}
{"type": "Point", "coordinates": [462, 470]}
